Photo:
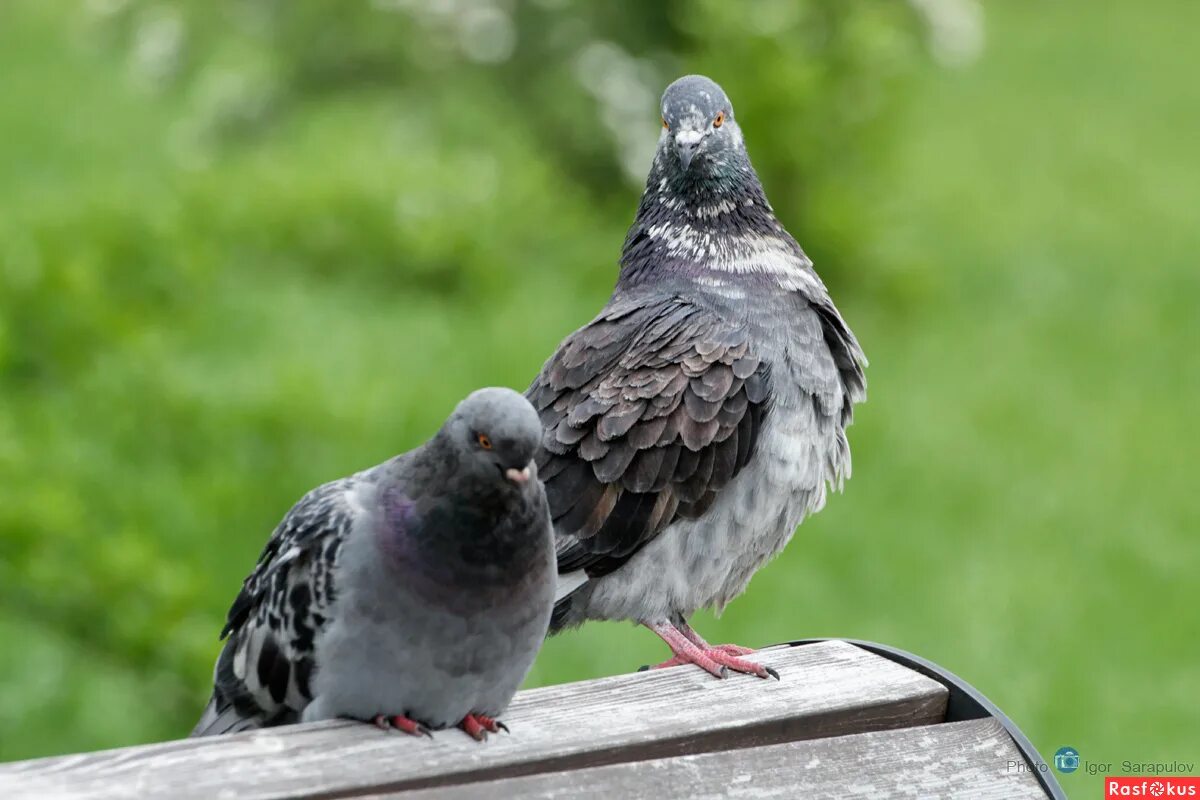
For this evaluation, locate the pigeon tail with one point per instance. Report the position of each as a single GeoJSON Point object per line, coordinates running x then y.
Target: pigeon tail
{"type": "Point", "coordinates": [220, 717]}
{"type": "Point", "coordinates": [565, 591]}
{"type": "Point", "coordinates": [568, 584]}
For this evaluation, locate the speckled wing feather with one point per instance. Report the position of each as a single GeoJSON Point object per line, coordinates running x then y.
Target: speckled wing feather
{"type": "Point", "coordinates": [262, 676]}
{"type": "Point", "coordinates": [648, 411]}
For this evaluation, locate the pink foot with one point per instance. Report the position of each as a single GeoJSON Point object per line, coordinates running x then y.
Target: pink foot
{"type": "Point", "coordinates": [478, 726]}
{"type": "Point", "coordinates": [717, 660]}
{"type": "Point", "coordinates": [491, 724]}
{"type": "Point", "coordinates": [400, 722]}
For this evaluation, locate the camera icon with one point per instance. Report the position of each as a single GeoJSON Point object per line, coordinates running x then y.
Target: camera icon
{"type": "Point", "coordinates": [1066, 759]}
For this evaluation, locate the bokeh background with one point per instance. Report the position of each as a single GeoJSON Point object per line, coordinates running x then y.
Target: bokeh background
{"type": "Point", "coordinates": [249, 247]}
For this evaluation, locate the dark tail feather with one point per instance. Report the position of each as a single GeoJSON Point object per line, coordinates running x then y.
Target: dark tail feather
{"type": "Point", "coordinates": [562, 617]}
{"type": "Point", "coordinates": [566, 593]}
{"type": "Point", "coordinates": [221, 717]}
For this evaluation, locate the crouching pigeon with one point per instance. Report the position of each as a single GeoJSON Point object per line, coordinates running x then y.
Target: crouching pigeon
{"type": "Point", "coordinates": [414, 594]}
{"type": "Point", "coordinates": [690, 427]}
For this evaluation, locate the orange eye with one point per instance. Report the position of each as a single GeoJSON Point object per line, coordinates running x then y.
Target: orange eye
{"type": "Point", "coordinates": [484, 441]}
{"type": "Point", "coordinates": [665, 125]}
{"type": "Point", "coordinates": [719, 120]}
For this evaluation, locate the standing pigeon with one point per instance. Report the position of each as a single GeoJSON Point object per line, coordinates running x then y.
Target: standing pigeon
{"type": "Point", "coordinates": [691, 426]}
{"type": "Point", "coordinates": [414, 594]}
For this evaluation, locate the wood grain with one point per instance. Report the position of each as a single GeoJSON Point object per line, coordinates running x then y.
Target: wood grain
{"type": "Point", "coordinates": [973, 760]}
{"type": "Point", "coordinates": [827, 689]}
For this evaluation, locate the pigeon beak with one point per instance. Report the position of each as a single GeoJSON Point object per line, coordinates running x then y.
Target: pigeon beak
{"type": "Point", "coordinates": [518, 476]}
{"type": "Point", "coordinates": [686, 144]}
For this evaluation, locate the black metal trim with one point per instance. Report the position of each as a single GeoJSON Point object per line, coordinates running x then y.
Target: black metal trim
{"type": "Point", "coordinates": [965, 702]}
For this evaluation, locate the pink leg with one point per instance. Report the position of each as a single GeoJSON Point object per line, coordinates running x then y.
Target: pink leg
{"type": "Point", "coordinates": [401, 723]}
{"type": "Point", "coordinates": [491, 724]}
{"type": "Point", "coordinates": [689, 648]}
{"type": "Point", "coordinates": [477, 726]}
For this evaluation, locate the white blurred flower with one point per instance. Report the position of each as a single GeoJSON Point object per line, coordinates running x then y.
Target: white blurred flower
{"type": "Point", "coordinates": [772, 17]}
{"type": "Point", "coordinates": [484, 29]}
{"type": "Point", "coordinates": [621, 85]}
{"type": "Point", "coordinates": [956, 29]}
{"type": "Point", "coordinates": [157, 45]}
{"type": "Point", "coordinates": [487, 34]}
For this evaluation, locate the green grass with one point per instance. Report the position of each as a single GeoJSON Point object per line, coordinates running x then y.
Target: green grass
{"type": "Point", "coordinates": [1022, 510]}
{"type": "Point", "coordinates": [189, 339]}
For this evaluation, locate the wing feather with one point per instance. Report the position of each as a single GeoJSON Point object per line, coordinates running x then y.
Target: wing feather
{"type": "Point", "coordinates": [264, 672]}
{"type": "Point", "coordinates": [649, 411]}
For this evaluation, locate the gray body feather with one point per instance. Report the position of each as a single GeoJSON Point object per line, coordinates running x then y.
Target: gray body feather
{"type": "Point", "coordinates": [691, 426]}
{"type": "Point", "coordinates": [421, 587]}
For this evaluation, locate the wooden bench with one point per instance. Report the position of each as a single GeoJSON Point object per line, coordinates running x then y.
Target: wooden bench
{"type": "Point", "coordinates": [842, 722]}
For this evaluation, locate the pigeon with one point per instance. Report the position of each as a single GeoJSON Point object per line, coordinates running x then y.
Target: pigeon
{"type": "Point", "coordinates": [414, 594]}
{"type": "Point", "coordinates": [693, 424]}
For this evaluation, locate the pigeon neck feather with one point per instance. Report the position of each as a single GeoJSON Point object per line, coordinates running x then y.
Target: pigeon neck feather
{"type": "Point", "coordinates": [716, 228]}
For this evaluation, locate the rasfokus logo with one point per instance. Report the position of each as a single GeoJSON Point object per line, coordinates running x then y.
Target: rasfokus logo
{"type": "Point", "coordinates": [1158, 786]}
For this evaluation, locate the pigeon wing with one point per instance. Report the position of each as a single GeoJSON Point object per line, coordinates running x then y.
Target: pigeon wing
{"type": "Point", "coordinates": [648, 412]}
{"type": "Point", "coordinates": [263, 674]}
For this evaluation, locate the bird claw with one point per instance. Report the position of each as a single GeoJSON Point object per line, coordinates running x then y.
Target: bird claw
{"type": "Point", "coordinates": [728, 661]}
{"type": "Point", "coordinates": [478, 726]}
{"type": "Point", "coordinates": [491, 724]}
{"type": "Point", "coordinates": [399, 722]}
{"type": "Point", "coordinates": [688, 648]}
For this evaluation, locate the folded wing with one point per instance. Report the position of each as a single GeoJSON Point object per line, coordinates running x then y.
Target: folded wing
{"type": "Point", "coordinates": [262, 676]}
{"type": "Point", "coordinates": [649, 411]}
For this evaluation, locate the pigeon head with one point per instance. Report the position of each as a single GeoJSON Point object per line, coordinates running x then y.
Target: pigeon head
{"type": "Point", "coordinates": [704, 215]}
{"type": "Point", "coordinates": [699, 136]}
{"type": "Point", "coordinates": [495, 432]}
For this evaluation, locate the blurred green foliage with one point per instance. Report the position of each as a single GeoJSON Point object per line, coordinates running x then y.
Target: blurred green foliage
{"type": "Point", "coordinates": [249, 247]}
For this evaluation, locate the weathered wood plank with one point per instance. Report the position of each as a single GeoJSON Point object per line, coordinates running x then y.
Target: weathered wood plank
{"type": "Point", "coordinates": [955, 760]}
{"type": "Point", "coordinates": [827, 689]}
